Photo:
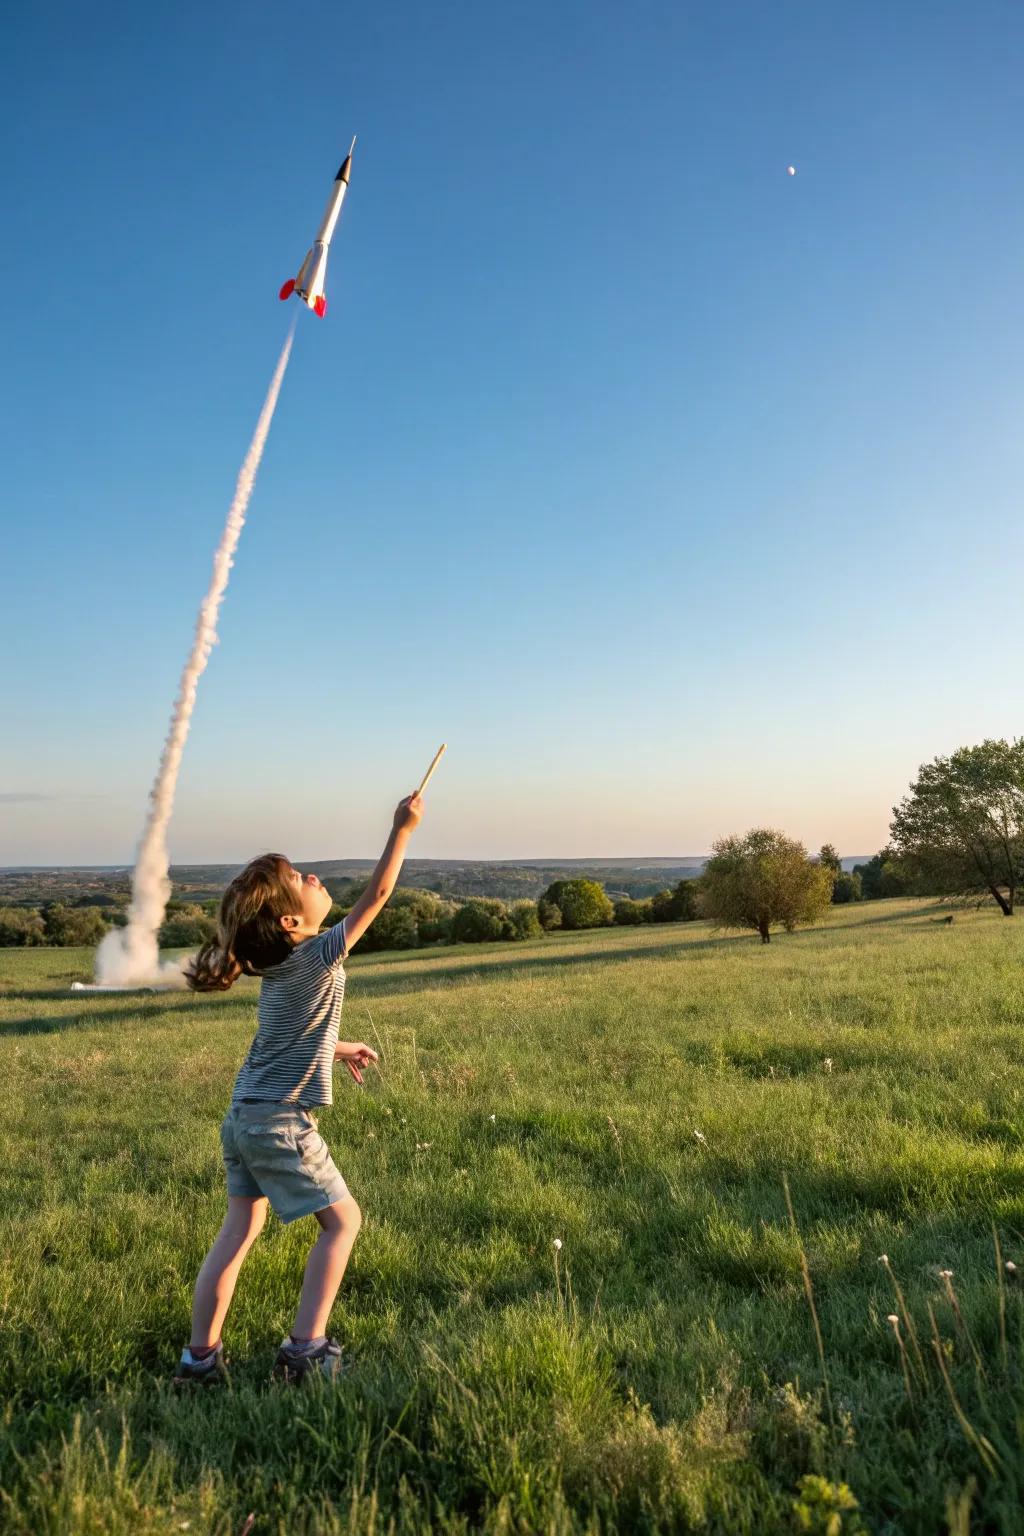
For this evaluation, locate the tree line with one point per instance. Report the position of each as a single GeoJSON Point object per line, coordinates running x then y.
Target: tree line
{"type": "Point", "coordinates": [957, 833]}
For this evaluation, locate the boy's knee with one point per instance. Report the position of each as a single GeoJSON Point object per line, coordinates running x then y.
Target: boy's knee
{"type": "Point", "coordinates": [352, 1213]}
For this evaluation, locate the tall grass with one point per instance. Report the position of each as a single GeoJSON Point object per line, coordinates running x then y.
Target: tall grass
{"type": "Point", "coordinates": [662, 1370]}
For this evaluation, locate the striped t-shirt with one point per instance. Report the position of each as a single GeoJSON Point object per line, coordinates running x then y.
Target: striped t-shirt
{"type": "Point", "coordinates": [292, 1057]}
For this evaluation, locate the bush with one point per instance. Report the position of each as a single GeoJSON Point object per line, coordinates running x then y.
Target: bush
{"type": "Point", "coordinates": [480, 922]}
{"type": "Point", "coordinates": [628, 912]}
{"type": "Point", "coordinates": [186, 925]}
{"type": "Point", "coordinates": [883, 876]}
{"type": "Point", "coordinates": [20, 926]}
{"type": "Point", "coordinates": [73, 925]}
{"type": "Point", "coordinates": [582, 903]}
{"type": "Point", "coordinates": [524, 920]}
{"type": "Point", "coordinates": [394, 928]}
{"type": "Point", "coordinates": [678, 905]}
{"type": "Point", "coordinates": [847, 887]}
{"type": "Point", "coordinates": [548, 915]}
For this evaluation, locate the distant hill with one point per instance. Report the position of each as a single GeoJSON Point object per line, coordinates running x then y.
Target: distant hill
{"type": "Point", "coordinates": [509, 879]}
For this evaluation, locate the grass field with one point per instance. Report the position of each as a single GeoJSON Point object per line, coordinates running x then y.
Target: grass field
{"type": "Point", "coordinates": [658, 1373]}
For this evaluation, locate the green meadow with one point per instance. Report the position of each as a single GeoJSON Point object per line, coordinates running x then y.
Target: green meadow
{"type": "Point", "coordinates": [695, 1357]}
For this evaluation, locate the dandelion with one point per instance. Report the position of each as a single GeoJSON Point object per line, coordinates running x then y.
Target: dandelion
{"type": "Point", "coordinates": [556, 1244]}
{"type": "Point", "coordinates": [946, 1276]}
{"type": "Point", "coordinates": [701, 1138]}
{"type": "Point", "coordinates": [1010, 1267]}
{"type": "Point", "coordinates": [901, 1302]}
{"type": "Point", "coordinates": [894, 1323]}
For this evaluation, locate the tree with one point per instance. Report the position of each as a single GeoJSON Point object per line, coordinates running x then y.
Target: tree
{"type": "Point", "coordinates": [962, 824]}
{"type": "Point", "coordinates": [73, 925]}
{"type": "Point", "coordinates": [582, 903]}
{"type": "Point", "coordinates": [882, 875]}
{"type": "Point", "coordinates": [847, 887]}
{"type": "Point", "coordinates": [549, 915]}
{"type": "Point", "coordinates": [479, 922]}
{"type": "Point", "coordinates": [524, 920]}
{"type": "Point", "coordinates": [830, 859]}
{"type": "Point", "coordinates": [678, 905]}
{"type": "Point", "coordinates": [20, 926]}
{"type": "Point", "coordinates": [628, 912]}
{"type": "Point", "coordinates": [764, 879]}
{"type": "Point", "coordinates": [186, 925]}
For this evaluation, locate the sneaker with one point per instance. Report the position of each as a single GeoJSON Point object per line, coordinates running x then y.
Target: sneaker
{"type": "Point", "coordinates": [297, 1361]}
{"type": "Point", "coordinates": [209, 1372]}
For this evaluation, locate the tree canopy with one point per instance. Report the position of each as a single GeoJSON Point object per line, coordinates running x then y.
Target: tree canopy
{"type": "Point", "coordinates": [961, 827]}
{"type": "Point", "coordinates": [582, 903]}
{"type": "Point", "coordinates": [762, 880]}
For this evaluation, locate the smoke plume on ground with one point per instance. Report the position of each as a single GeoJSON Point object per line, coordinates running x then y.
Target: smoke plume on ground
{"type": "Point", "coordinates": [129, 956]}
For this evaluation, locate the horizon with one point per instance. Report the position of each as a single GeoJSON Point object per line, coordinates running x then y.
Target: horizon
{"type": "Point", "coordinates": [639, 861]}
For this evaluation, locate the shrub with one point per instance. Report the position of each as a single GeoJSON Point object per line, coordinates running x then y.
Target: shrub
{"type": "Point", "coordinates": [582, 903]}
{"type": "Point", "coordinates": [73, 925]}
{"type": "Point", "coordinates": [186, 925]}
{"type": "Point", "coordinates": [548, 915]}
{"type": "Point", "coordinates": [629, 912]}
{"type": "Point", "coordinates": [678, 905]}
{"type": "Point", "coordinates": [479, 922]}
{"type": "Point", "coordinates": [524, 919]}
{"type": "Point", "coordinates": [20, 926]}
{"type": "Point", "coordinates": [847, 887]}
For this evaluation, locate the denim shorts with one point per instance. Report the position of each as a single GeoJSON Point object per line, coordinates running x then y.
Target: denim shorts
{"type": "Point", "coordinates": [276, 1150]}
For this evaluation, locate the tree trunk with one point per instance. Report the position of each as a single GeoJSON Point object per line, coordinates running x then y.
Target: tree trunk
{"type": "Point", "coordinates": [1005, 907]}
{"type": "Point", "coordinates": [765, 933]}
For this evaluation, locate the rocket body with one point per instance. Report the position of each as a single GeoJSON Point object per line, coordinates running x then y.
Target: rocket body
{"type": "Point", "coordinates": [311, 280]}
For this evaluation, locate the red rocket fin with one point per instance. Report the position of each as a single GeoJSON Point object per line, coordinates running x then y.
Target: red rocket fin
{"type": "Point", "coordinates": [288, 289]}
{"type": "Point", "coordinates": [320, 305]}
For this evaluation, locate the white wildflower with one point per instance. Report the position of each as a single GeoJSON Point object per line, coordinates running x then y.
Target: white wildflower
{"type": "Point", "coordinates": [556, 1244]}
{"type": "Point", "coordinates": [1010, 1267]}
{"type": "Point", "coordinates": [492, 1119]}
{"type": "Point", "coordinates": [828, 1063]}
{"type": "Point", "coordinates": [701, 1138]}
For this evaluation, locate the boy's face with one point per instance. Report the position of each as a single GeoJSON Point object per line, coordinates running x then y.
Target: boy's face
{"type": "Point", "coordinates": [315, 902]}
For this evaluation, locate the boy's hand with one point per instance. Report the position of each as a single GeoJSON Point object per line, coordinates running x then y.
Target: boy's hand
{"type": "Point", "coordinates": [408, 813]}
{"type": "Point", "coordinates": [355, 1055]}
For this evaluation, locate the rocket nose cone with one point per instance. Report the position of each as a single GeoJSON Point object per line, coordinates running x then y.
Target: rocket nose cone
{"type": "Point", "coordinates": [346, 165]}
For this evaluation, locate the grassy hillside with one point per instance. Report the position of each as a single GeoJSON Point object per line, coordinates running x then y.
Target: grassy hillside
{"type": "Point", "coordinates": [660, 1372]}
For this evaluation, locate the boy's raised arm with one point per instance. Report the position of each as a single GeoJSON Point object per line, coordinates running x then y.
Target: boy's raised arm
{"type": "Point", "coordinates": [385, 876]}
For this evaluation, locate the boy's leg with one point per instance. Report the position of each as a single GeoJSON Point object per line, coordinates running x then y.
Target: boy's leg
{"type": "Point", "coordinates": [215, 1283]}
{"type": "Point", "coordinates": [339, 1228]}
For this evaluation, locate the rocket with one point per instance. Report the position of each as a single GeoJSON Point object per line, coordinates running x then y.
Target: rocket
{"type": "Point", "coordinates": [309, 284]}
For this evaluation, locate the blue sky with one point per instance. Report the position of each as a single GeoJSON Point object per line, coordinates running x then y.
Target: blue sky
{"type": "Point", "coordinates": [680, 495]}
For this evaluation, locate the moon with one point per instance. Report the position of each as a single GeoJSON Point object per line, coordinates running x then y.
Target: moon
{"type": "Point", "coordinates": [790, 170]}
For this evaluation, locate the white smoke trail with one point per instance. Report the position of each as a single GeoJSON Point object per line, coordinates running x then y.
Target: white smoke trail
{"type": "Point", "coordinates": [129, 956]}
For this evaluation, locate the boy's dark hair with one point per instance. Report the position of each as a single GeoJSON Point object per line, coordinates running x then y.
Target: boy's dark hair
{"type": "Point", "coordinates": [249, 938]}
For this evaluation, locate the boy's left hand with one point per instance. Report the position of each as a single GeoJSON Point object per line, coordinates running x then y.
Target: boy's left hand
{"type": "Point", "coordinates": [355, 1055]}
